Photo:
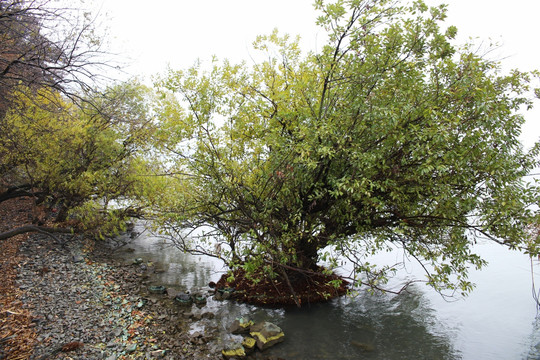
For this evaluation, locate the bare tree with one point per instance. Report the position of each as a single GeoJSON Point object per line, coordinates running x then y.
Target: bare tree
{"type": "Point", "coordinates": [45, 45]}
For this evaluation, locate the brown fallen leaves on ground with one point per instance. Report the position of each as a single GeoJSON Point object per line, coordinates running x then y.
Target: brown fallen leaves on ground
{"type": "Point", "coordinates": [17, 337]}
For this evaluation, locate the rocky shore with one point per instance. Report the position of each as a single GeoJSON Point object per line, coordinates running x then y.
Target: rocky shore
{"type": "Point", "coordinates": [87, 305]}
{"type": "Point", "coordinates": [71, 297]}
{"type": "Point", "coordinates": [67, 297]}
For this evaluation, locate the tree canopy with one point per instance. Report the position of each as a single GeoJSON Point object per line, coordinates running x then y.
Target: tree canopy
{"type": "Point", "coordinates": [390, 136]}
{"type": "Point", "coordinates": [76, 146]}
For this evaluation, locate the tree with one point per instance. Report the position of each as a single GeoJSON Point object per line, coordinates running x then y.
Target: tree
{"type": "Point", "coordinates": [43, 45]}
{"type": "Point", "coordinates": [45, 50]}
{"type": "Point", "coordinates": [87, 161]}
{"type": "Point", "coordinates": [390, 136]}
{"type": "Point", "coordinates": [64, 139]}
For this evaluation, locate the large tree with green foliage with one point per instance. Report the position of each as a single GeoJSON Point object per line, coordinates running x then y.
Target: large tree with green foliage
{"type": "Point", "coordinates": [389, 136]}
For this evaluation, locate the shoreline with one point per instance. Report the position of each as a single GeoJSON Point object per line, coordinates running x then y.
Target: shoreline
{"type": "Point", "coordinates": [71, 297]}
{"type": "Point", "coordinates": [79, 294]}
{"type": "Point", "coordinates": [76, 301]}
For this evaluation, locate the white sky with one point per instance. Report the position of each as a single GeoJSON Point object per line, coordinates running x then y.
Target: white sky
{"type": "Point", "coordinates": [177, 32]}
{"type": "Point", "coordinates": [180, 31]}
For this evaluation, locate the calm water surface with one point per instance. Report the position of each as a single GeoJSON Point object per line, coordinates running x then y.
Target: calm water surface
{"type": "Point", "coordinates": [497, 321]}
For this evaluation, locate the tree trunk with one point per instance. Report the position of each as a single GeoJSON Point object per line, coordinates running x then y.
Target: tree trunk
{"type": "Point", "coordinates": [307, 252]}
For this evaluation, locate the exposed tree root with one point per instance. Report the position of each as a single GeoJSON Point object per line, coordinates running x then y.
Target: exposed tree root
{"type": "Point", "coordinates": [49, 231]}
{"type": "Point", "coordinates": [295, 288]}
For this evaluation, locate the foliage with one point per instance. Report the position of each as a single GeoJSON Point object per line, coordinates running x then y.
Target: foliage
{"type": "Point", "coordinates": [62, 138]}
{"type": "Point", "coordinates": [390, 136]}
{"type": "Point", "coordinates": [87, 160]}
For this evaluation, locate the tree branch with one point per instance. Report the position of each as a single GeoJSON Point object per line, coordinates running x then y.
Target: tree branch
{"type": "Point", "coordinates": [34, 228]}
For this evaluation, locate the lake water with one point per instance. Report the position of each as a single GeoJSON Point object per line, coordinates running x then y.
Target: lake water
{"type": "Point", "coordinates": [498, 320]}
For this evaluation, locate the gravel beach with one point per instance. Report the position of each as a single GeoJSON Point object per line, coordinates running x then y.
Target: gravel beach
{"type": "Point", "coordinates": [66, 296]}
{"type": "Point", "coordinates": [85, 304]}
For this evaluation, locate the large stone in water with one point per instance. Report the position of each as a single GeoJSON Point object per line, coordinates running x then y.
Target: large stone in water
{"type": "Point", "coordinates": [266, 334]}
{"type": "Point", "coordinates": [241, 326]}
{"type": "Point", "coordinates": [249, 344]}
{"type": "Point", "coordinates": [223, 294]}
{"type": "Point", "coordinates": [199, 299]}
{"type": "Point", "coordinates": [157, 289]}
{"type": "Point", "coordinates": [234, 350]}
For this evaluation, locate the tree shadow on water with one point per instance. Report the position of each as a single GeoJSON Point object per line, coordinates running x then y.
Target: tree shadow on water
{"type": "Point", "coordinates": [366, 327]}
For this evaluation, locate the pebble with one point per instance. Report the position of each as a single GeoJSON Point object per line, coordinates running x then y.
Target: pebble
{"type": "Point", "coordinates": [157, 354]}
{"type": "Point", "coordinates": [92, 298]}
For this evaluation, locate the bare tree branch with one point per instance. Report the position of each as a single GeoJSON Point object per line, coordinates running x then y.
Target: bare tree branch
{"type": "Point", "coordinates": [49, 231]}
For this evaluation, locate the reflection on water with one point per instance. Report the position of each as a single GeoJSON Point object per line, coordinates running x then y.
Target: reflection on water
{"type": "Point", "coordinates": [534, 351]}
{"type": "Point", "coordinates": [496, 322]}
{"type": "Point", "coordinates": [365, 327]}
{"type": "Point", "coordinates": [177, 269]}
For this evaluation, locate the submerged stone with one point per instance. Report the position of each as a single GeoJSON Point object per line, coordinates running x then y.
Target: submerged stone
{"type": "Point", "coordinates": [266, 334]}
{"type": "Point", "coordinates": [171, 292]}
{"type": "Point", "coordinates": [208, 315]}
{"type": "Point", "coordinates": [183, 299]}
{"type": "Point", "coordinates": [157, 289]}
{"type": "Point", "coordinates": [363, 346]}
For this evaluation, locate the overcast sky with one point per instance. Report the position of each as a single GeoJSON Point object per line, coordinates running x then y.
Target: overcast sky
{"type": "Point", "coordinates": [177, 32]}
